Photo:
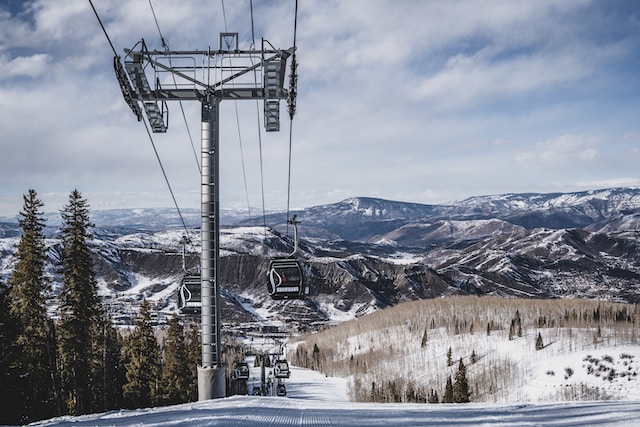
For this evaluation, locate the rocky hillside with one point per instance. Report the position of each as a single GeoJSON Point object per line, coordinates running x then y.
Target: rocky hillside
{"type": "Point", "coordinates": [362, 254]}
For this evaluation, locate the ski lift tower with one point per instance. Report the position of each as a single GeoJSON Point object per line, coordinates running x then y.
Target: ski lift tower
{"type": "Point", "coordinates": [154, 78]}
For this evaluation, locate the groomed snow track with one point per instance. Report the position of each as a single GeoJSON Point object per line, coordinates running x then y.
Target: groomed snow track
{"type": "Point", "coordinates": [242, 411]}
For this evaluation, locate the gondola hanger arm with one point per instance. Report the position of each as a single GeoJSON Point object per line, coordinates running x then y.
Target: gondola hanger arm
{"type": "Point", "coordinates": [295, 223]}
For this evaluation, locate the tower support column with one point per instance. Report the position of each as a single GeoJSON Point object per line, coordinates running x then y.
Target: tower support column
{"type": "Point", "coordinates": [211, 375]}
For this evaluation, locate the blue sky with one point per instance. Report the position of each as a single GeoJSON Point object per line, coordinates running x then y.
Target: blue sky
{"type": "Point", "coordinates": [421, 101]}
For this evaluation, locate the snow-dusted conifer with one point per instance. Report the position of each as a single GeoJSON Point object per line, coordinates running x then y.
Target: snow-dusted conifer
{"type": "Point", "coordinates": [194, 359]}
{"type": "Point", "coordinates": [11, 402]}
{"type": "Point", "coordinates": [144, 365]}
{"type": "Point", "coordinates": [539, 342]}
{"type": "Point", "coordinates": [433, 397]}
{"type": "Point", "coordinates": [447, 397]}
{"type": "Point", "coordinates": [176, 375]}
{"type": "Point", "coordinates": [461, 392]}
{"type": "Point", "coordinates": [80, 310]}
{"type": "Point", "coordinates": [109, 367]}
{"type": "Point", "coordinates": [28, 291]}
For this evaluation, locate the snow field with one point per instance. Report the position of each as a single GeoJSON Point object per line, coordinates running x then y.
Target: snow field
{"type": "Point", "coordinates": [316, 400]}
{"type": "Point", "coordinates": [407, 347]}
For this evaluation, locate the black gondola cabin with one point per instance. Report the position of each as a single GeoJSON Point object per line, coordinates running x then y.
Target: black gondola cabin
{"type": "Point", "coordinates": [241, 371]}
{"type": "Point", "coordinates": [285, 279]}
{"type": "Point", "coordinates": [189, 294]}
{"type": "Point", "coordinates": [281, 369]}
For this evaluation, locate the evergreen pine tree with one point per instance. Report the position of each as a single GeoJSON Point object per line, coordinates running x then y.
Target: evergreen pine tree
{"type": "Point", "coordinates": [316, 358]}
{"type": "Point", "coordinates": [28, 293]}
{"type": "Point", "coordinates": [144, 366]}
{"type": "Point", "coordinates": [194, 357]}
{"type": "Point", "coordinates": [461, 392]}
{"type": "Point", "coordinates": [519, 329]}
{"type": "Point", "coordinates": [108, 367]}
{"type": "Point", "coordinates": [433, 397]}
{"type": "Point", "coordinates": [423, 344]}
{"type": "Point", "coordinates": [374, 395]}
{"type": "Point", "coordinates": [80, 311]}
{"type": "Point", "coordinates": [10, 409]}
{"type": "Point", "coordinates": [176, 374]}
{"type": "Point", "coordinates": [447, 397]}
{"type": "Point", "coordinates": [449, 357]}
{"type": "Point", "coordinates": [519, 322]}
{"type": "Point", "coordinates": [539, 342]}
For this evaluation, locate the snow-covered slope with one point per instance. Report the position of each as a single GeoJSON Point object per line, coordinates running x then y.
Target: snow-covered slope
{"type": "Point", "coordinates": [316, 400]}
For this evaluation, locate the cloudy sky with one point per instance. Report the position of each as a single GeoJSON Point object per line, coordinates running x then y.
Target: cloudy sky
{"type": "Point", "coordinates": [423, 101]}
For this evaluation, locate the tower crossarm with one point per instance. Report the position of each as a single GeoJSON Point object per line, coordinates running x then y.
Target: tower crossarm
{"type": "Point", "coordinates": [237, 93]}
{"type": "Point", "coordinates": [145, 93]}
{"type": "Point", "coordinates": [171, 75]}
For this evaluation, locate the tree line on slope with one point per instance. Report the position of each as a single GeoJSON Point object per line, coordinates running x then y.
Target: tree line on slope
{"type": "Point", "coordinates": [409, 353]}
{"type": "Point", "coordinates": [74, 361]}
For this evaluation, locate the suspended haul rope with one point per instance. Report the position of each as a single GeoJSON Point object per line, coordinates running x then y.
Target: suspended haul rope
{"type": "Point", "coordinates": [103, 29]}
{"type": "Point", "coordinates": [291, 100]}
{"type": "Point", "coordinates": [146, 126]}
{"type": "Point", "coordinates": [165, 45]}
{"type": "Point", "coordinates": [255, 80]}
{"type": "Point", "coordinates": [117, 60]}
{"type": "Point", "coordinates": [235, 104]}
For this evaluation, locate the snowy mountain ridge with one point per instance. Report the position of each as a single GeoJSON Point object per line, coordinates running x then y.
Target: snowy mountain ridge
{"type": "Point", "coordinates": [363, 254]}
{"type": "Point", "coordinates": [530, 210]}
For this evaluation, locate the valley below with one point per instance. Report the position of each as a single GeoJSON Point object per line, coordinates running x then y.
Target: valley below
{"type": "Point", "coordinates": [362, 255]}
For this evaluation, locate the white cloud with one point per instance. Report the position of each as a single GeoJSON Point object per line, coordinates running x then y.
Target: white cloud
{"type": "Point", "coordinates": [32, 66]}
{"type": "Point", "coordinates": [565, 148]}
{"type": "Point", "coordinates": [400, 99]}
{"type": "Point", "coordinates": [487, 74]}
{"type": "Point", "coordinates": [631, 136]}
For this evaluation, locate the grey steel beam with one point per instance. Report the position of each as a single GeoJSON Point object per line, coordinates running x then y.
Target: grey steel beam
{"type": "Point", "coordinates": [237, 93]}
{"type": "Point", "coordinates": [211, 383]}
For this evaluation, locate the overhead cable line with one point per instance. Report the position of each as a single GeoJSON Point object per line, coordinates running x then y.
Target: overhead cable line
{"type": "Point", "coordinates": [146, 127]}
{"type": "Point", "coordinates": [162, 40]}
{"type": "Point", "coordinates": [165, 45]}
{"type": "Point", "coordinates": [293, 77]}
{"type": "Point", "coordinates": [103, 29]}
{"type": "Point", "coordinates": [235, 104]}
{"type": "Point", "coordinates": [255, 80]}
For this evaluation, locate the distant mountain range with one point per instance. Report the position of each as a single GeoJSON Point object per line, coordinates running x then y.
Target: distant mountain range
{"type": "Point", "coordinates": [364, 253]}
{"type": "Point", "coordinates": [362, 219]}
